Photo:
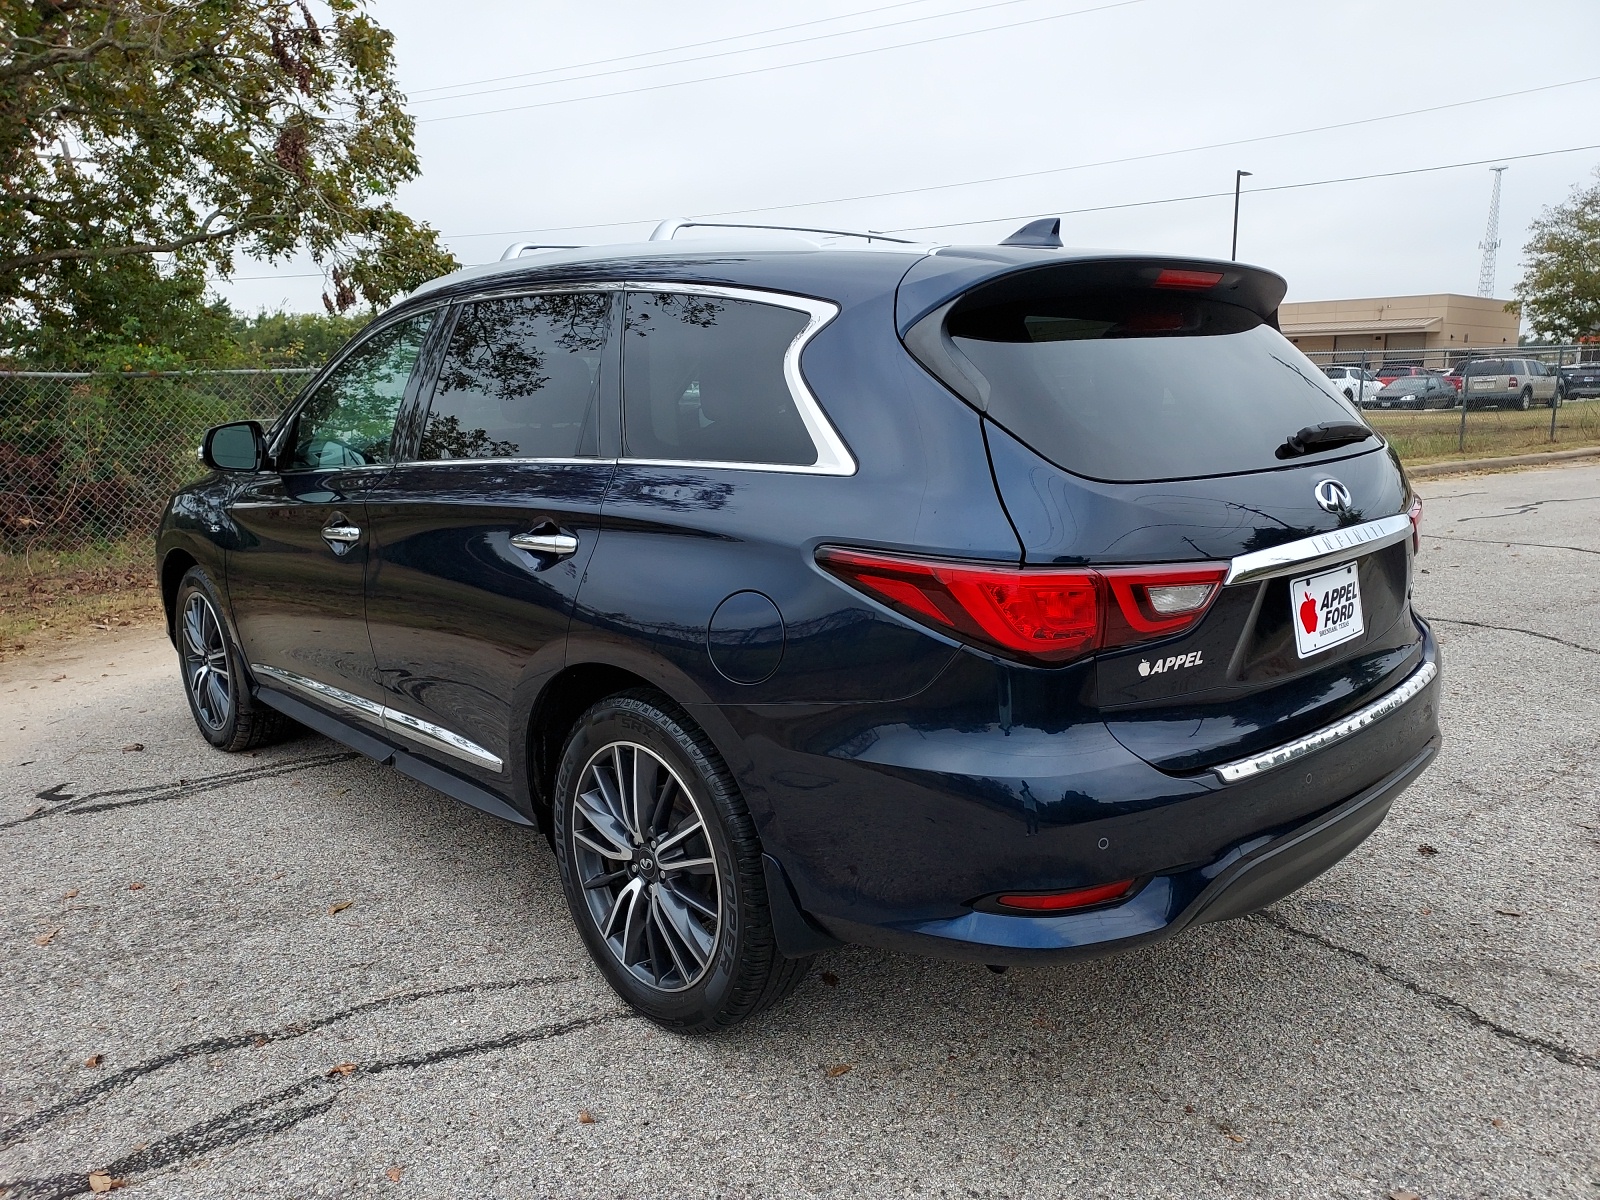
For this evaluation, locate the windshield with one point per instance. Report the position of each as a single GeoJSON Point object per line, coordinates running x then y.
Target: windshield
{"type": "Point", "coordinates": [1410, 383]}
{"type": "Point", "coordinates": [1144, 384]}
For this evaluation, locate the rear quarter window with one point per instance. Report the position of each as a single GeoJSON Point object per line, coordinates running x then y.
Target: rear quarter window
{"type": "Point", "coordinates": [1143, 384]}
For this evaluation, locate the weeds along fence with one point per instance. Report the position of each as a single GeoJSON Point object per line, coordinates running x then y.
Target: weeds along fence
{"type": "Point", "coordinates": [87, 458]}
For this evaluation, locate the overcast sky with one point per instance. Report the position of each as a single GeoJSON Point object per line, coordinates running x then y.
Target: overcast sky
{"type": "Point", "coordinates": [745, 129]}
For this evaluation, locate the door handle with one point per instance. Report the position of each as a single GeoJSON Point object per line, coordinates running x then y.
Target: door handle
{"type": "Point", "coordinates": [340, 535]}
{"type": "Point", "coordinates": [554, 542]}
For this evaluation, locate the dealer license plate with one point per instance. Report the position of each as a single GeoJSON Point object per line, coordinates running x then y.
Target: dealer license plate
{"type": "Point", "coordinates": [1326, 609]}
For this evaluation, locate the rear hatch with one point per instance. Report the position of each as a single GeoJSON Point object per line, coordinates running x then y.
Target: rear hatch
{"type": "Point", "coordinates": [1145, 412]}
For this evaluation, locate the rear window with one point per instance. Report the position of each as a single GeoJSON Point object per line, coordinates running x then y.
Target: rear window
{"type": "Point", "coordinates": [1142, 384]}
{"type": "Point", "coordinates": [1487, 366]}
{"type": "Point", "coordinates": [703, 381]}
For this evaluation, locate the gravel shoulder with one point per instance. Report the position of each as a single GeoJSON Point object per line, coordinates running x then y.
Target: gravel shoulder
{"type": "Point", "coordinates": [1426, 1016]}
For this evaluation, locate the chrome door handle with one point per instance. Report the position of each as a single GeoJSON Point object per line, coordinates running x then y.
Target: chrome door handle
{"type": "Point", "coordinates": [559, 544]}
{"type": "Point", "coordinates": [340, 536]}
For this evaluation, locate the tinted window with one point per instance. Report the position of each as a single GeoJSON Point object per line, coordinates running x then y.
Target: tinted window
{"type": "Point", "coordinates": [702, 381]}
{"type": "Point", "coordinates": [1487, 366]}
{"type": "Point", "coordinates": [1143, 385]}
{"type": "Point", "coordinates": [349, 419]}
{"type": "Point", "coordinates": [520, 379]}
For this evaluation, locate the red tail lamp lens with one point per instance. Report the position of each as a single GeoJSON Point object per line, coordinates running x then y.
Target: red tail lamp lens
{"type": "Point", "coordinates": [1062, 901]}
{"type": "Point", "coordinates": [1046, 616]}
{"type": "Point", "coordinates": [1194, 280]}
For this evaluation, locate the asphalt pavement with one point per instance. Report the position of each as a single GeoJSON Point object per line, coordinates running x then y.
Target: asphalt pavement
{"type": "Point", "coordinates": [299, 974]}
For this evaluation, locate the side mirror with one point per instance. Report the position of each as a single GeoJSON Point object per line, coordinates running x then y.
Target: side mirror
{"type": "Point", "coordinates": [238, 446]}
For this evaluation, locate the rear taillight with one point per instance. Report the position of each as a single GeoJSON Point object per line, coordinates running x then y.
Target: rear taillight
{"type": "Point", "coordinates": [1044, 616]}
{"type": "Point", "coordinates": [1415, 513]}
{"type": "Point", "coordinates": [1064, 901]}
{"type": "Point", "coordinates": [1512, 382]}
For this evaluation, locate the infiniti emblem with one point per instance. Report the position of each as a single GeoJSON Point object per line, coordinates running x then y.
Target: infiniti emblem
{"type": "Point", "coordinates": [1332, 496]}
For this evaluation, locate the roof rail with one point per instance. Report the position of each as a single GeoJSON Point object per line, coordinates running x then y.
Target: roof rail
{"type": "Point", "coordinates": [668, 229]}
{"type": "Point", "coordinates": [518, 249]}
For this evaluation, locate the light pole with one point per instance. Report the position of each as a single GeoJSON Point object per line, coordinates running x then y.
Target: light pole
{"type": "Point", "coordinates": [1238, 179]}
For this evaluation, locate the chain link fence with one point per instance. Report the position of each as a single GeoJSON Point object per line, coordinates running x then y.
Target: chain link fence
{"type": "Point", "coordinates": [1484, 403]}
{"type": "Point", "coordinates": [91, 458]}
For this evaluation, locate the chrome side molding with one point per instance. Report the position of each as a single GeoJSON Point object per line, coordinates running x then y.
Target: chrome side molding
{"type": "Point", "coordinates": [391, 719]}
{"type": "Point", "coordinates": [1246, 768]}
{"type": "Point", "coordinates": [1324, 548]}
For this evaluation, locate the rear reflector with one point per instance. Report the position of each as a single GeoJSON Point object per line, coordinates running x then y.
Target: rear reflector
{"type": "Point", "coordinates": [1061, 901]}
{"type": "Point", "coordinates": [1041, 615]}
{"type": "Point", "coordinates": [1196, 280]}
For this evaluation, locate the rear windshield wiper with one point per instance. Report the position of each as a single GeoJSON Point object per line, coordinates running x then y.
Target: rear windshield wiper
{"type": "Point", "coordinates": [1325, 436]}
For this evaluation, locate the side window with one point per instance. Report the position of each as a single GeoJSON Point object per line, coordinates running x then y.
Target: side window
{"type": "Point", "coordinates": [349, 419]}
{"type": "Point", "coordinates": [702, 381]}
{"type": "Point", "coordinates": [521, 379]}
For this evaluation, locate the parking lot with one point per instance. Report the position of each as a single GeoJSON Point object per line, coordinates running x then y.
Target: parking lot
{"type": "Point", "coordinates": [297, 973]}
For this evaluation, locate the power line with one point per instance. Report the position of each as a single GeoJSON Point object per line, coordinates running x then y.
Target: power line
{"type": "Point", "coordinates": [601, 62]}
{"type": "Point", "coordinates": [656, 87]}
{"type": "Point", "coordinates": [819, 37]}
{"type": "Point", "coordinates": [1155, 154]}
{"type": "Point", "coordinates": [1281, 187]}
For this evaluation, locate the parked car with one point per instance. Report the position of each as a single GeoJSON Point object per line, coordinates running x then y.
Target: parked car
{"type": "Point", "coordinates": [1012, 605]}
{"type": "Point", "coordinates": [1454, 376]}
{"type": "Point", "coordinates": [1389, 372]}
{"type": "Point", "coordinates": [1580, 380]}
{"type": "Point", "coordinates": [1428, 390]}
{"type": "Point", "coordinates": [1357, 383]}
{"type": "Point", "coordinates": [1510, 383]}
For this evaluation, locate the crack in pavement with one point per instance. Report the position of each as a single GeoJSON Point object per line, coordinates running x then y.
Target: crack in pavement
{"type": "Point", "coordinates": [1523, 509]}
{"type": "Point", "coordinates": [11, 1134]}
{"type": "Point", "coordinates": [1447, 1004]}
{"type": "Point", "coordinates": [266, 1115]}
{"type": "Point", "coordinates": [1443, 537]}
{"type": "Point", "coordinates": [1549, 637]}
{"type": "Point", "coordinates": [67, 803]}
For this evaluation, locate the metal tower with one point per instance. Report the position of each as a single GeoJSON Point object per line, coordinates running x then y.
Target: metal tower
{"type": "Point", "coordinates": [1491, 239]}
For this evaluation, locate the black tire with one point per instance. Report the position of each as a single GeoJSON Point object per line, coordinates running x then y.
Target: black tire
{"type": "Point", "coordinates": [1525, 400]}
{"type": "Point", "coordinates": [697, 982]}
{"type": "Point", "coordinates": [214, 680]}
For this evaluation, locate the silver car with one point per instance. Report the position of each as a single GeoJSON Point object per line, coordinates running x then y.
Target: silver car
{"type": "Point", "coordinates": [1510, 383]}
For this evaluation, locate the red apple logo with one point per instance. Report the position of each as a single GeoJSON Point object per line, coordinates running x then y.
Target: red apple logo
{"type": "Point", "coordinates": [1308, 613]}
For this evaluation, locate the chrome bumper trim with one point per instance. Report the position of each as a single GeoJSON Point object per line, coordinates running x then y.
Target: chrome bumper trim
{"type": "Point", "coordinates": [391, 719]}
{"type": "Point", "coordinates": [1337, 545]}
{"type": "Point", "coordinates": [1247, 768]}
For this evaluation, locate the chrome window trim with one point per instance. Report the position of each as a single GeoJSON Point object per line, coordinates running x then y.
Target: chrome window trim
{"type": "Point", "coordinates": [391, 719]}
{"type": "Point", "coordinates": [1247, 768]}
{"type": "Point", "coordinates": [833, 457]}
{"type": "Point", "coordinates": [591, 460]}
{"type": "Point", "coordinates": [1334, 546]}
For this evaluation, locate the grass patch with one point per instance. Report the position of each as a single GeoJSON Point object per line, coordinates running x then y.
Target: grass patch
{"type": "Point", "coordinates": [63, 593]}
{"type": "Point", "coordinates": [1420, 437]}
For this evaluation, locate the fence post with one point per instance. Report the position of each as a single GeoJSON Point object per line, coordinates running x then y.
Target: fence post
{"type": "Point", "coordinates": [1466, 383]}
{"type": "Point", "coordinates": [1555, 396]}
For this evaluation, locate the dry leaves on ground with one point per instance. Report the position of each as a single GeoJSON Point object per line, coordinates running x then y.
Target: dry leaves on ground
{"type": "Point", "coordinates": [133, 747]}
{"type": "Point", "coordinates": [101, 1181]}
{"type": "Point", "coordinates": [94, 1060]}
{"type": "Point", "coordinates": [1426, 851]}
{"type": "Point", "coordinates": [70, 895]}
{"type": "Point", "coordinates": [338, 907]}
{"type": "Point", "coordinates": [44, 939]}
{"type": "Point", "coordinates": [136, 887]}
{"type": "Point", "coordinates": [841, 1069]}
{"type": "Point", "coordinates": [394, 1174]}
{"type": "Point", "coordinates": [585, 1117]}
{"type": "Point", "coordinates": [1403, 1194]}
{"type": "Point", "coordinates": [344, 1068]}
{"type": "Point", "coordinates": [829, 978]}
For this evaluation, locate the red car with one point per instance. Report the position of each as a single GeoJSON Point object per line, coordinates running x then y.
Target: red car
{"type": "Point", "coordinates": [1387, 375]}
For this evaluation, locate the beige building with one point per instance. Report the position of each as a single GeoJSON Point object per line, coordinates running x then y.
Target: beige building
{"type": "Point", "coordinates": [1427, 330]}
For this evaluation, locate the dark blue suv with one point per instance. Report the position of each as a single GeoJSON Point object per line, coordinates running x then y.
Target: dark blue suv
{"type": "Point", "coordinates": [998, 603]}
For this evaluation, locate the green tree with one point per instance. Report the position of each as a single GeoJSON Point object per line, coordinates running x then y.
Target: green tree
{"type": "Point", "coordinates": [1560, 288]}
{"type": "Point", "coordinates": [298, 339]}
{"type": "Point", "coordinates": [160, 139]}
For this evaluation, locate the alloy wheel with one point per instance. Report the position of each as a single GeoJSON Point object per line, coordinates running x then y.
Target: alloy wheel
{"type": "Point", "coordinates": [205, 662]}
{"type": "Point", "coordinates": [647, 867]}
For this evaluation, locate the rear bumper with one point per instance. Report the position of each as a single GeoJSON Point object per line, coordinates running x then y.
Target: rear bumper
{"type": "Point", "coordinates": [1249, 877]}
{"type": "Point", "coordinates": [1222, 847]}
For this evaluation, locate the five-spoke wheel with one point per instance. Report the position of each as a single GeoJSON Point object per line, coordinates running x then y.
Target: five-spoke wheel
{"type": "Point", "coordinates": [205, 661]}
{"type": "Point", "coordinates": [229, 717]}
